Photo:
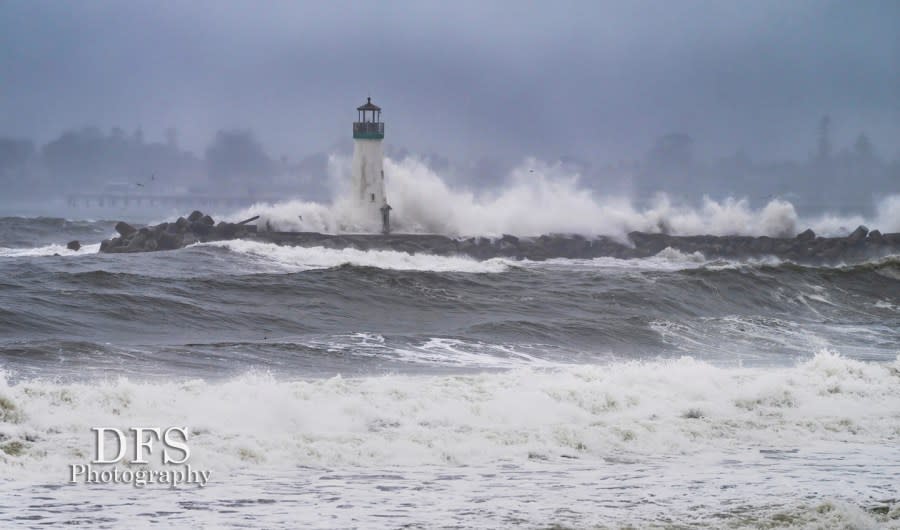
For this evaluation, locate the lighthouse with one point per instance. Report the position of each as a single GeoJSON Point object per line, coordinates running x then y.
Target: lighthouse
{"type": "Point", "coordinates": [368, 170]}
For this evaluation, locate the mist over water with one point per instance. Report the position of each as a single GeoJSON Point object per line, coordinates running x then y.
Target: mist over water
{"type": "Point", "coordinates": [539, 198]}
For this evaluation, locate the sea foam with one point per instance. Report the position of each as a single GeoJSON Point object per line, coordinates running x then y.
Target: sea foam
{"type": "Point", "coordinates": [293, 259]}
{"type": "Point", "coordinates": [48, 250]}
{"type": "Point", "coordinates": [587, 412]}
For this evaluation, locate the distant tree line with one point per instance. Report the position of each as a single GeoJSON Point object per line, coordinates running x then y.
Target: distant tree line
{"type": "Point", "coordinates": [93, 160]}
{"type": "Point", "coordinates": [853, 177]}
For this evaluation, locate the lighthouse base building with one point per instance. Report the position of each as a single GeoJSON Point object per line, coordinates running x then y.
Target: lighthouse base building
{"type": "Point", "coordinates": [368, 168]}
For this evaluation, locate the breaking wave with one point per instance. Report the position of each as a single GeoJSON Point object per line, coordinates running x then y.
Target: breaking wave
{"type": "Point", "coordinates": [589, 412]}
{"type": "Point", "coordinates": [540, 199]}
{"type": "Point", "coordinates": [295, 259]}
{"type": "Point", "coordinates": [49, 250]}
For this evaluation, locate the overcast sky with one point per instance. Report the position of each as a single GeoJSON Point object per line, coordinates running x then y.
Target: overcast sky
{"type": "Point", "coordinates": [598, 80]}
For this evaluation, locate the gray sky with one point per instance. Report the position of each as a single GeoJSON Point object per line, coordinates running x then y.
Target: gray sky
{"type": "Point", "coordinates": [598, 80]}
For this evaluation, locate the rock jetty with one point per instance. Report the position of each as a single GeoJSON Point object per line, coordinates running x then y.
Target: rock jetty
{"type": "Point", "coordinates": [195, 228]}
{"type": "Point", "coordinates": [806, 247]}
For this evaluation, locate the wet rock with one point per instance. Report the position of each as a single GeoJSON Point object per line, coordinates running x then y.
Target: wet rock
{"type": "Point", "coordinates": [200, 228]}
{"type": "Point", "coordinates": [806, 235]}
{"type": "Point", "coordinates": [762, 245]}
{"type": "Point", "coordinates": [124, 229]}
{"type": "Point", "coordinates": [512, 240]}
{"type": "Point", "coordinates": [574, 247]}
{"type": "Point", "coordinates": [803, 248]}
{"type": "Point", "coordinates": [73, 245]}
{"type": "Point", "coordinates": [507, 248]}
{"type": "Point", "coordinates": [833, 249]}
{"type": "Point", "coordinates": [784, 246]}
{"type": "Point", "coordinates": [136, 243]}
{"type": "Point", "coordinates": [858, 235]}
{"type": "Point", "coordinates": [226, 230]}
{"type": "Point", "coordinates": [169, 241]}
{"type": "Point", "coordinates": [650, 244]}
{"type": "Point", "coordinates": [189, 239]}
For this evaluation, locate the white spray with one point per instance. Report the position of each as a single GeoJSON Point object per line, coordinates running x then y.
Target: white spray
{"type": "Point", "coordinates": [540, 198]}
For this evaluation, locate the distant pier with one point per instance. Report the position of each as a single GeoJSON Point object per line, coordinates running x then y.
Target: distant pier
{"type": "Point", "coordinates": [119, 199]}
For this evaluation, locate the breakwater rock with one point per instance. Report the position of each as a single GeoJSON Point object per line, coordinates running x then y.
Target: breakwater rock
{"type": "Point", "coordinates": [806, 247]}
{"type": "Point", "coordinates": [195, 228]}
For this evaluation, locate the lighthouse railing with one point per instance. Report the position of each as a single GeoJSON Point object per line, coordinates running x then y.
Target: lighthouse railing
{"type": "Point", "coordinates": [368, 127]}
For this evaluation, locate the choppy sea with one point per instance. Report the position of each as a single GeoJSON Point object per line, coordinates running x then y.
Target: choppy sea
{"type": "Point", "coordinates": [328, 388]}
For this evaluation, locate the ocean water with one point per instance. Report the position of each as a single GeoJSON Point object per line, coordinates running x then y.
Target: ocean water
{"type": "Point", "coordinates": [328, 388]}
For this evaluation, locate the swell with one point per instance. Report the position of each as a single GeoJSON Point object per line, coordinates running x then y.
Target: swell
{"type": "Point", "coordinates": [23, 232]}
{"type": "Point", "coordinates": [146, 306]}
{"type": "Point", "coordinates": [879, 264]}
{"type": "Point", "coordinates": [185, 290]}
{"type": "Point", "coordinates": [244, 302]}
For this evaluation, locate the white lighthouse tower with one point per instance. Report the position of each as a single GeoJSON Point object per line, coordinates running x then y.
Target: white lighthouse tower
{"type": "Point", "coordinates": [368, 157]}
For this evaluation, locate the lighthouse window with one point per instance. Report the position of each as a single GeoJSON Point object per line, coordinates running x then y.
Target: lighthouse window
{"type": "Point", "coordinates": [373, 197]}
{"type": "Point", "coordinates": [382, 174]}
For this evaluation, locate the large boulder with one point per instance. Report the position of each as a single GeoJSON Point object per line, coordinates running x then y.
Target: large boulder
{"type": "Point", "coordinates": [226, 230]}
{"type": "Point", "coordinates": [200, 228]}
{"type": "Point", "coordinates": [189, 238]}
{"type": "Point", "coordinates": [892, 239]}
{"type": "Point", "coordinates": [136, 243]}
{"type": "Point", "coordinates": [182, 224]}
{"type": "Point", "coordinates": [124, 229]}
{"type": "Point", "coordinates": [858, 235]}
{"type": "Point", "coordinates": [207, 220]}
{"type": "Point", "coordinates": [169, 241]}
{"type": "Point", "coordinates": [806, 235]}
{"type": "Point", "coordinates": [510, 239]}
{"type": "Point", "coordinates": [762, 245]}
{"type": "Point", "coordinates": [73, 245]}
{"type": "Point", "coordinates": [833, 249]}
{"type": "Point", "coordinates": [876, 237]}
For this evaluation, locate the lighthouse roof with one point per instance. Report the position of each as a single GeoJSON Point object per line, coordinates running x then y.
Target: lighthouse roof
{"type": "Point", "coordinates": [369, 106]}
